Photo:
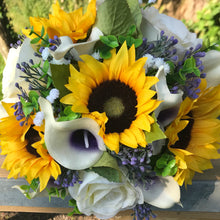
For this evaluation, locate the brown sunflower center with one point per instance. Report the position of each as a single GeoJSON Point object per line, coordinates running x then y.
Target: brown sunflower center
{"type": "Point", "coordinates": [31, 137]}
{"type": "Point", "coordinates": [118, 101]}
{"type": "Point", "coordinates": [184, 136]}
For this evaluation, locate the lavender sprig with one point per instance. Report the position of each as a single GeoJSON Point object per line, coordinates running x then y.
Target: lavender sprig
{"type": "Point", "coordinates": [137, 162]}
{"type": "Point", "coordinates": [143, 211]}
{"type": "Point", "coordinates": [68, 178]}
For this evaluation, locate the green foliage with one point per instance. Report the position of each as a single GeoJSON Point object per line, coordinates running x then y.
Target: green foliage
{"type": "Point", "coordinates": [60, 74]}
{"type": "Point", "coordinates": [2, 65]}
{"type": "Point", "coordinates": [43, 38]}
{"type": "Point", "coordinates": [59, 192]}
{"type": "Point", "coordinates": [189, 66]}
{"type": "Point", "coordinates": [72, 202]}
{"type": "Point", "coordinates": [107, 167]}
{"type": "Point", "coordinates": [111, 41]}
{"type": "Point", "coordinates": [166, 165]}
{"type": "Point", "coordinates": [116, 17]}
{"type": "Point", "coordinates": [156, 133]}
{"type": "Point", "coordinates": [208, 25]}
{"type": "Point", "coordinates": [68, 115]}
{"type": "Point", "coordinates": [31, 187]}
{"type": "Point", "coordinates": [31, 105]}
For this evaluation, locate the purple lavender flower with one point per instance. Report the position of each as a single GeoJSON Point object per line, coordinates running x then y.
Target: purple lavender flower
{"type": "Point", "coordinates": [143, 211]}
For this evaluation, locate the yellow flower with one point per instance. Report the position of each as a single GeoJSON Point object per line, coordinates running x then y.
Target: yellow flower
{"type": "Point", "coordinates": [74, 24]}
{"type": "Point", "coordinates": [116, 93]}
{"type": "Point", "coordinates": [194, 135]}
{"type": "Point", "coordinates": [24, 150]}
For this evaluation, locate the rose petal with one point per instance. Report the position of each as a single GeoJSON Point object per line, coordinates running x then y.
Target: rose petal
{"type": "Point", "coordinates": [104, 199]}
{"type": "Point", "coordinates": [74, 144]}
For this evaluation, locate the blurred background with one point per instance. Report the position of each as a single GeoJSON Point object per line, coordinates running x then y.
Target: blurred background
{"type": "Point", "coordinates": [201, 17]}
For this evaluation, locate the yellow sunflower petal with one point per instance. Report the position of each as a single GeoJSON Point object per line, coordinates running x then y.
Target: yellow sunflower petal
{"type": "Point", "coordinates": [119, 64]}
{"type": "Point", "coordinates": [128, 138]}
{"type": "Point", "coordinates": [112, 141]}
{"type": "Point", "coordinates": [44, 176]}
{"type": "Point", "coordinates": [97, 69]}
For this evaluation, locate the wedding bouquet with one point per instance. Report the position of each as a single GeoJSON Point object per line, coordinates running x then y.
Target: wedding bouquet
{"type": "Point", "coordinates": [116, 105]}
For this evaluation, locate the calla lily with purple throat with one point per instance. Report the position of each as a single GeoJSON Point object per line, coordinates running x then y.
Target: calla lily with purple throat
{"type": "Point", "coordinates": [74, 144]}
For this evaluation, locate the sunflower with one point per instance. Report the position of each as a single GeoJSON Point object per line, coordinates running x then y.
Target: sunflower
{"type": "Point", "coordinates": [116, 93]}
{"type": "Point", "coordinates": [194, 135]}
{"type": "Point", "coordinates": [24, 150]}
{"type": "Point", "coordinates": [74, 24]}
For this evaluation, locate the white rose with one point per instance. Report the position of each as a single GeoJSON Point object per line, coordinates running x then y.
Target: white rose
{"type": "Point", "coordinates": [153, 23]}
{"type": "Point", "coordinates": [96, 195]}
{"type": "Point", "coordinates": [211, 62]}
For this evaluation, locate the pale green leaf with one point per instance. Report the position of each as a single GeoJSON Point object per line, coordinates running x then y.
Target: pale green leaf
{"type": "Point", "coordinates": [109, 173]}
{"type": "Point", "coordinates": [136, 14]}
{"type": "Point", "coordinates": [155, 134]}
{"type": "Point", "coordinates": [107, 161]}
{"type": "Point", "coordinates": [60, 75]}
{"type": "Point", "coordinates": [114, 17]}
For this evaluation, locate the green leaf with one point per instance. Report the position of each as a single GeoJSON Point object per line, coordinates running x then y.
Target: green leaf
{"type": "Point", "coordinates": [110, 41]}
{"type": "Point", "coordinates": [49, 82]}
{"type": "Point", "coordinates": [109, 173]}
{"type": "Point", "coordinates": [63, 193]}
{"type": "Point", "coordinates": [107, 160]}
{"type": "Point", "coordinates": [46, 66]}
{"type": "Point", "coordinates": [35, 40]}
{"type": "Point", "coordinates": [42, 31]}
{"type": "Point", "coordinates": [132, 30]}
{"type": "Point", "coordinates": [114, 17]}
{"type": "Point", "coordinates": [60, 75]}
{"type": "Point", "coordinates": [136, 15]}
{"type": "Point", "coordinates": [72, 202]}
{"type": "Point", "coordinates": [33, 94]}
{"type": "Point", "coordinates": [69, 115]}
{"type": "Point", "coordinates": [105, 54]}
{"type": "Point", "coordinates": [189, 66]}
{"type": "Point", "coordinates": [156, 133]}
{"type": "Point", "coordinates": [25, 187]}
{"type": "Point", "coordinates": [138, 42]}
{"type": "Point", "coordinates": [161, 163]}
{"type": "Point", "coordinates": [27, 107]}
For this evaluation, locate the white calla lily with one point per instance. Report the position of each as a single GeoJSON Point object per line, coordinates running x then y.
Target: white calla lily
{"type": "Point", "coordinates": [164, 193]}
{"type": "Point", "coordinates": [74, 144]}
{"type": "Point", "coordinates": [11, 74]}
{"type": "Point", "coordinates": [77, 49]}
{"type": "Point", "coordinates": [154, 22]}
{"type": "Point", "coordinates": [211, 62]}
{"type": "Point", "coordinates": [171, 102]}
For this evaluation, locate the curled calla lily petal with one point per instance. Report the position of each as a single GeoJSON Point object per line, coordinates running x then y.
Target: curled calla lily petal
{"type": "Point", "coordinates": [211, 62]}
{"type": "Point", "coordinates": [154, 22]}
{"type": "Point", "coordinates": [164, 193]}
{"type": "Point", "coordinates": [168, 109]}
{"type": "Point", "coordinates": [74, 144]}
{"type": "Point", "coordinates": [77, 49]}
{"type": "Point", "coordinates": [11, 74]}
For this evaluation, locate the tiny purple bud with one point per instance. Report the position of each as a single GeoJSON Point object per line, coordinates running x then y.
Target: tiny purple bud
{"type": "Point", "coordinates": [41, 49]}
{"type": "Point", "coordinates": [203, 75]}
{"type": "Point", "coordinates": [18, 66]}
{"type": "Point", "coordinates": [53, 48]}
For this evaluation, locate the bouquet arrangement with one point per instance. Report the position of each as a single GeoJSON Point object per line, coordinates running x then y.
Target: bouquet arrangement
{"type": "Point", "coordinates": [116, 105]}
